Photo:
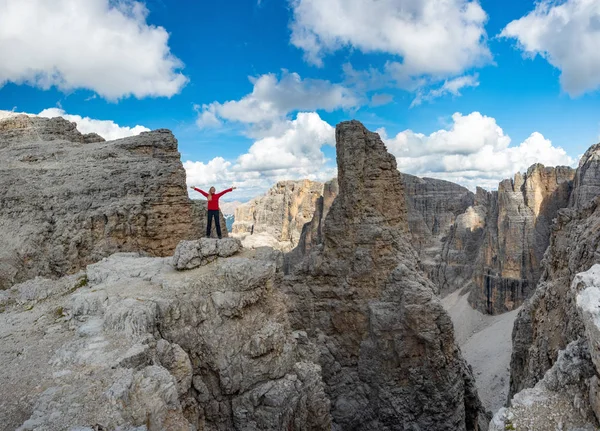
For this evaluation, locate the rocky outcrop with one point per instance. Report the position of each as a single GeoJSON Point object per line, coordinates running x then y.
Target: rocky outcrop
{"type": "Point", "coordinates": [567, 397]}
{"type": "Point", "coordinates": [133, 344]}
{"type": "Point", "coordinates": [67, 199]}
{"type": "Point", "coordinates": [549, 320]}
{"type": "Point", "coordinates": [192, 254]}
{"type": "Point", "coordinates": [279, 215]}
{"type": "Point", "coordinates": [386, 344]}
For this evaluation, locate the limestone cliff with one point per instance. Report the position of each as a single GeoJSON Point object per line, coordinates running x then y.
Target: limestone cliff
{"type": "Point", "coordinates": [67, 199]}
{"type": "Point", "coordinates": [386, 344]}
{"type": "Point", "coordinates": [549, 320]}
{"type": "Point", "coordinates": [279, 215]}
{"type": "Point", "coordinates": [133, 344]}
{"type": "Point", "coordinates": [434, 208]}
{"type": "Point", "coordinates": [490, 242]}
{"type": "Point", "coordinates": [518, 220]}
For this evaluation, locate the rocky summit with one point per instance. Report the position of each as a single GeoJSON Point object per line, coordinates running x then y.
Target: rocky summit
{"type": "Point", "coordinates": [386, 345]}
{"type": "Point", "coordinates": [68, 200]}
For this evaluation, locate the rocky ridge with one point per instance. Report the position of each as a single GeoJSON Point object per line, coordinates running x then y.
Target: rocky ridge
{"type": "Point", "coordinates": [133, 344]}
{"type": "Point", "coordinates": [386, 344]}
{"type": "Point", "coordinates": [68, 200]}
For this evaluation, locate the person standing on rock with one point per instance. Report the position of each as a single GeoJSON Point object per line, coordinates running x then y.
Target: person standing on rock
{"type": "Point", "coordinates": [213, 208]}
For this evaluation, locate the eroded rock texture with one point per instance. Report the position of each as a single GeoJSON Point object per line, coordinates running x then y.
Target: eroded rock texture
{"type": "Point", "coordinates": [517, 231]}
{"type": "Point", "coordinates": [277, 218]}
{"type": "Point", "coordinates": [549, 320]}
{"type": "Point", "coordinates": [133, 344]}
{"type": "Point", "coordinates": [435, 217]}
{"type": "Point", "coordinates": [386, 344]}
{"type": "Point", "coordinates": [567, 396]}
{"type": "Point", "coordinates": [68, 199]}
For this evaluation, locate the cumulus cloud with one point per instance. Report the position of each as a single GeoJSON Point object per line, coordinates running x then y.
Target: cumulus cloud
{"type": "Point", "coordinates": [102, 45]}
{"type": "Point", "coordinates": [474, 151]}
{"type": "Point", "coordinates": [451, 86]}
{"type": "Point", "coordinates": [294, 153]}
{"type": "Point", "coordinates": [438, 38]}
{"type": "Point", "coordinates": [108, 129]}
{"type": "Point", "coordinates": [272, 99]}
{"type": "Point", "coordinates": [567, 35]}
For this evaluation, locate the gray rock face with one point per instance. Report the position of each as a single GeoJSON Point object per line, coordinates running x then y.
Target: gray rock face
{"type": "Point", "coordinates": [435, 212]}
{"type": "Point", "coordinates": [560, 401]}
{"type": "Point", "coordinates": [567, 395]}
{"type": "Point", "coordinates": [280, 214]}
{"type": "Point", "coordinates": [67, 199]}
{"type": "Point", "coordinates": [516, 235]}
{"type": "Point", "coordinates": [386, 344]}
{"type": "Point", "coordinates": [192, 254]}
{"type": "Point", "coordinates": [141, 346]}
{"type": "Point", "coordinates": [549, 320]}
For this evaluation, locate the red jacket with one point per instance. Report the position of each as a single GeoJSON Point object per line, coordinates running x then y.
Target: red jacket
{"type": "Point", "coordinates": [213, 204]}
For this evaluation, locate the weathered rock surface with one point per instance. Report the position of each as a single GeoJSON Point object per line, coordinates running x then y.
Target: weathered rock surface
{"type": "Point", "coordinates": [516, 234]}
{"type": "Point", "coordinates": [279, 214]}
{"type": "Point", "coordinates": [312, 232]}
{"type": "Point", "coordinates": [435, 208]}
{"type": "Point", "coordinates": [67, 199]}
{"type": "Point", "coordinates": [560, 401]}
{"type": "Point", "coordinates": [192, 254]}
{"type": "Point", "coordinates": [567, 397]}
{"type": "Point", "coordinates": [549, 320]}
{"type": "Point", "coordinates": [133, 344]}
{"type": "Point", "coordinates": [386, 344]}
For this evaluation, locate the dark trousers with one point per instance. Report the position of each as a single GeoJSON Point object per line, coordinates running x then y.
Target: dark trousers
{"type": "Point", "coordinates": [213, 214]}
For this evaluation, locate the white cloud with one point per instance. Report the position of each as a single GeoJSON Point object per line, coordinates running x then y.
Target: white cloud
{"type": "Point", "coordinates": [108, 129]}
{"type": "Point", "coordinates": [433, 37]}
{"type": "Point", "coordinates": [293, 153]}
{"type": "Point", "coordinates": [102, 45]}
{"type": "Point", "coordinates": [567, 35]}
{"type": "Point", "coordinates": [473, 152]}
{"type": "Point", "coordinates": [451, 86]}
{"type": "Point", "coordinates": [272, 99]}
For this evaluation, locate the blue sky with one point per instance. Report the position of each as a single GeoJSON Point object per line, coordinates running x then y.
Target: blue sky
{"type": "Point", "coordinates": [460, 90]}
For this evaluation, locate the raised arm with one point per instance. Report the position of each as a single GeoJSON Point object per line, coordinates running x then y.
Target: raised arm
{"type": "Point", "coordinates": [225, 191]}
{"type": "Point", "coordinates": [200, 191]}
